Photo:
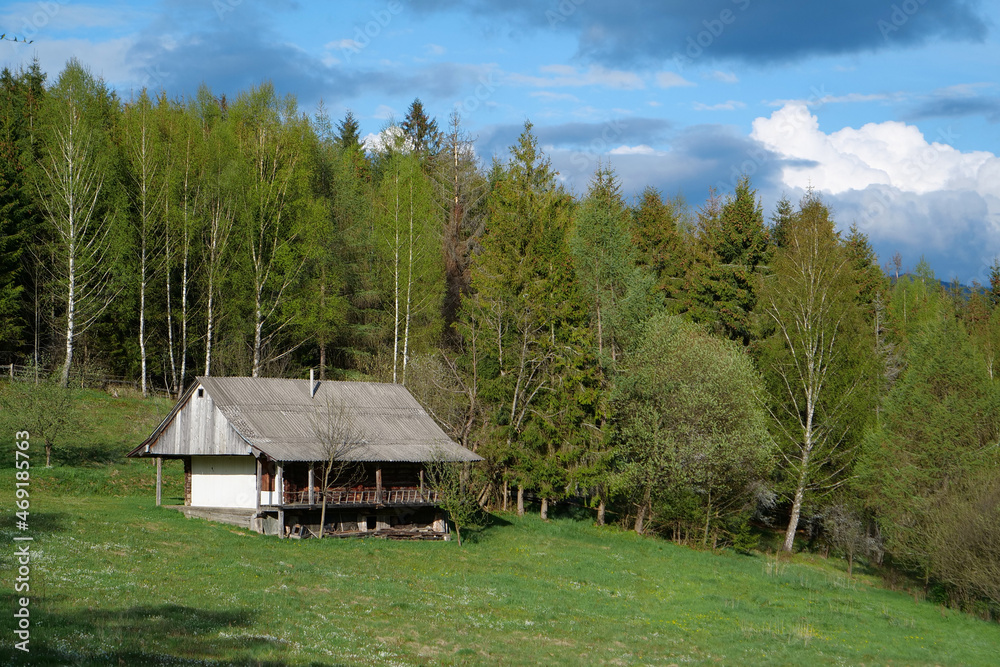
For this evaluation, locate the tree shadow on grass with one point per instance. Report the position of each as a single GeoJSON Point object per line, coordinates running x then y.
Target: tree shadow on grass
{"type": "Point", "coordinates": [43, 523]}
{"type": "Point", "coordinates": [155, 635]}
{"type": "Point", "coordinates": [38, 523]}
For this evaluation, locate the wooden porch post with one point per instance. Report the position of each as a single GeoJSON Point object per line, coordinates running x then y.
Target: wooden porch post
{"type": "Point", "coordinates": [421, 483]}
{"type": "Point", "coordinates": [260, 483]}
{"type": "Point", "coordinates": [312, 481]}
{"type": "Point", "coordinates": [378, 484]}
{"type": "Point", "coordinates": [279, 485]}
{"type": "Point", "coordinates": [159, 480]}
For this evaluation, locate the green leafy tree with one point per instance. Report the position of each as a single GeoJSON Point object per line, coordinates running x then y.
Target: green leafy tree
{"type": "Point", "coordinates": [43, 408]}
{"type": "Point", "coordinates": [273, 209]}
{"type": "Point", "coordinates": [144, 158]}
{"type": "Point", "coordinates": [184, 214]}
{"type": "Point", "coordinates": [319, 300]}
{"type": "Point", "coordinates": [407, 229]}
{"type": "Point", "coordinates": [214, 200]}
{"type": "Point", "coordinates": [689, 423]}
{"type": "Point", "coordinates": [450, 482]}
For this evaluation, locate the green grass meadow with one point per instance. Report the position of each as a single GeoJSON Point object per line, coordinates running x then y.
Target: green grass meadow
{"type": "Point", "coordinates": [118, 581]}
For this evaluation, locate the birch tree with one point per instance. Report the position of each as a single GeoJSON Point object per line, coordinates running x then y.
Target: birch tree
{"type": "Point", "coordinates": [73, 175]}
{"type": "Point", "coordinates": [409, 244]}
{"type": "Point", "coordinates": [143, 155]}
{"type": "Point", "coordinates": [813, 360]}
{"type": "Point", "coordinates": [182, 212]}
{"type": "Point", "coordinates": [270, 135]}
{"type": "Point", "coordinates": [216, 206]}
{"type": "Point", "coordinates": [319, 301]}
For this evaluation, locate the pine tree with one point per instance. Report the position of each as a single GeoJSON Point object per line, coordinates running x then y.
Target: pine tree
{"type": "Point", "coordinates": [660, 242]}
{"type": "Point", "coordinates": [721, 286]}
{"type": "Point", "coordinates": [425, 137]}
{"type": "Point", "coordinates": [16, 214]}
{"type": "Point", "coordinates": [939, 428]}
{"type": "Point", "coordinates": [605, 261]}
{"type": "Point", "coordinates": [348, 133]}
{"type": "Point", "coordinates": [523, 280]}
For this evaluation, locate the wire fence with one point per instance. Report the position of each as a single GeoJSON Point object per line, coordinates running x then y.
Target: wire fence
{"type": "Point", "coordinates": [81, 378]}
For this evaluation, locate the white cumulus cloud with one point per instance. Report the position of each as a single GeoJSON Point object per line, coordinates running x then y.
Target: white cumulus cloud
{"type": "Point", "coordinates": [908, 193]}
{"type": "Point", "coordinates": [889, 153]}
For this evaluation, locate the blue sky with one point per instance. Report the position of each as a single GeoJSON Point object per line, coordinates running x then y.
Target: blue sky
{"type": "Point", "coordinates": [891, 110]}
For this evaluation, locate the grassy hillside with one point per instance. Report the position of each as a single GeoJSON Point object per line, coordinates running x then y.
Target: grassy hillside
{"type": "Point", "coordinates": [100, 428]}
{"type": "Point", "coordinates": [117, 581]}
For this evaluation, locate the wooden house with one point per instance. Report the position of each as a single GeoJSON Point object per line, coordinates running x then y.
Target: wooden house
{"type": "Point", "coordinates": [256, 451]}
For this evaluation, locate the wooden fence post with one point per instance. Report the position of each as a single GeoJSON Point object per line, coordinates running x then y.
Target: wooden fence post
{"type": "Point", "coordinates": [159, 480]}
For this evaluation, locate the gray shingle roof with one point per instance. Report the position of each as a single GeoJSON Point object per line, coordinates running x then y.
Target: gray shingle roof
{"type": "Point", "coordinates": [381, 422]}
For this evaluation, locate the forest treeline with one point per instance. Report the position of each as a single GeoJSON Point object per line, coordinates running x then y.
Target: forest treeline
{"type": "Point", "coordinates": [686, 372]}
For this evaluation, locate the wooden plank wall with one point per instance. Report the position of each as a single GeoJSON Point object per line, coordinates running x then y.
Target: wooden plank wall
{"type": "Point", "coordinates": [199, 428]}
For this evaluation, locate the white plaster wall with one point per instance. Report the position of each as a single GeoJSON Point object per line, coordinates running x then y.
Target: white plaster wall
{"type": "Point", "coordinates": [223, 481]}
{"type": "Point", "coordinates": [268, 497]}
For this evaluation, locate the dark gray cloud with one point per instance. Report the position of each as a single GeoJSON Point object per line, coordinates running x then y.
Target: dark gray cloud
{"type": "Point", "coordinates": [230, 46]}
{"type": "Point", "coordinates": [630, 32]}
{"type": "Point", "coordinates": [696, 158]}
{"type": "Point", "coordinates": [596, 138]}
{"type": "Point", "coordinates": [958, 107]}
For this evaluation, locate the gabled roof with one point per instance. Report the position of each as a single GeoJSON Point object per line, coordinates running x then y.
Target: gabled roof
{"type": "Point", "coordinates": [279, 418]}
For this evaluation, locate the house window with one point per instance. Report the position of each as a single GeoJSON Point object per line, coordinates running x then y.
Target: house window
{"type": "Point", "coordinates": [201, 392]}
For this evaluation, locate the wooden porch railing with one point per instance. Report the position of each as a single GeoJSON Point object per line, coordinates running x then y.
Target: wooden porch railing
{"type": "Point", "coordinates": [402, 496]}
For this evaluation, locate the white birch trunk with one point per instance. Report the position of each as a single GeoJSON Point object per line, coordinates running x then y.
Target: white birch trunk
{"type": "Point", "coordinates": [168, 265]}
{"type": "Point", "coordinates": [70, 312]}
{"type": "Point", "coordinates": [409, 290]}
{"type": "Point", "coordinates": [395, 286]}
